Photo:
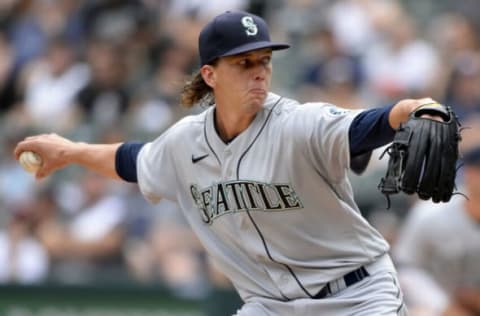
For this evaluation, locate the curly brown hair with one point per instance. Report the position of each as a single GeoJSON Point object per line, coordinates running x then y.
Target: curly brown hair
{"type": "Point", "coordinates": [196, 90]}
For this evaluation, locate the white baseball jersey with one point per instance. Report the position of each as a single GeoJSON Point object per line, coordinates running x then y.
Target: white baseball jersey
{"type": "Point", "coordinates": [274, 207]}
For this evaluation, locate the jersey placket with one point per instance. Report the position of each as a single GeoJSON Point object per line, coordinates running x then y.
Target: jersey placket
{"type": "Point", "coordinates": [228, 165]}
{"type": "Point", "coordinates": [230, 155]}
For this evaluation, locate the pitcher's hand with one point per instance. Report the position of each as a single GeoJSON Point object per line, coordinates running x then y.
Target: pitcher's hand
{"type": "Point", "coordinates": [52, 148]}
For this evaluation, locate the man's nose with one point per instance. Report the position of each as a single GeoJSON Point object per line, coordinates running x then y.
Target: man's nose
{"type": "Point", "coordinates": [260, 72]}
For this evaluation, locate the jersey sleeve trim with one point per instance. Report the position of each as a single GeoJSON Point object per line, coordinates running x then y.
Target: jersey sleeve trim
{"type": "Point", "coordinates": [126, 160]}
{"type": "Point", "coordinates": [369, 130]}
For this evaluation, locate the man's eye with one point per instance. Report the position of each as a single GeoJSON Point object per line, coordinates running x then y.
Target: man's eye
{"type": "Point", "coordinates": [266, 60]}
{"type": "Point", "coordinates": [243, 62]}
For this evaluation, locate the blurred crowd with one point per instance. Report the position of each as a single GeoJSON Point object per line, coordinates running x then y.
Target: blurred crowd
{"type": "Point", "coordinates": [112, 70]}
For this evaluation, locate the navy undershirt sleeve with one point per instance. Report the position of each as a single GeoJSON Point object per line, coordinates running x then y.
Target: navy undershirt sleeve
{"type": "Point", "coordinates": [126, 160]}
{"type": "Point", "coordinates": [369, 130]}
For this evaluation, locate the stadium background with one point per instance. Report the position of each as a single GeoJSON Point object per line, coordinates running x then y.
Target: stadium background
{"type": "Point", "coordinates": [111, 70]}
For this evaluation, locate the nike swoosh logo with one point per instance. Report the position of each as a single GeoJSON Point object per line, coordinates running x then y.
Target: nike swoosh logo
{"type": "Point", "coordinates": [197, 159]}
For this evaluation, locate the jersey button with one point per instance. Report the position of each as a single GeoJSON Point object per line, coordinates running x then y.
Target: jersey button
{"type": "Point", "coordinates": [228, 152]}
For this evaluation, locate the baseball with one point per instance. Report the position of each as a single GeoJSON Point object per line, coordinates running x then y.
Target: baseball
{"type": "Point", "coordinates": [30, 161]}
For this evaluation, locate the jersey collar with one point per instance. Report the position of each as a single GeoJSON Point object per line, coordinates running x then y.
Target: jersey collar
{"type": "Point", "coordinates": [244, 139]}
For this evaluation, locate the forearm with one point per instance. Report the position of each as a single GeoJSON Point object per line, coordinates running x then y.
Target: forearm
{"type": "Point", "coordinates": [58, 152]}
{"type": "Point", "coordinates": [99, 158]}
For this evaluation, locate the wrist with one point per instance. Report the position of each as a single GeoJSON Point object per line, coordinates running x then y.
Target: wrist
{"type": "Point", "coordinates": [75, 152]}
{"type": "Point", "coordinates": [402, 110]}
{"type": "Point", "coordinates": [400, 113]}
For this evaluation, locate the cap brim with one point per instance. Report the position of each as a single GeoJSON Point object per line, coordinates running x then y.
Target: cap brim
{"type": "Point", "coordinates": [254, 46]}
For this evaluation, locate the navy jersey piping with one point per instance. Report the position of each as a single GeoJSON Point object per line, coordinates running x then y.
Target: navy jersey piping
{"type": "Point", "coordinates": [256, 137]}
{"type": "Point", "coordinates": [206, 139]}
{"type": "Point", "coordinates": [259, 232]}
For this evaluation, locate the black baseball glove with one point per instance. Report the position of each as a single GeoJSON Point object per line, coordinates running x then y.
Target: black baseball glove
{"type": "Point", "coordinates": [423, 155]}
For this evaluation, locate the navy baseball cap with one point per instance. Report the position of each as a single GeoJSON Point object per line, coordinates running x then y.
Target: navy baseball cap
{"type": "Point", "coordinates": [232, 33]}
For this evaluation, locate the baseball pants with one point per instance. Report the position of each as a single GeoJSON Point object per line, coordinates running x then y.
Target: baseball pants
{"type": "Point", "coordinates": [377, 294]}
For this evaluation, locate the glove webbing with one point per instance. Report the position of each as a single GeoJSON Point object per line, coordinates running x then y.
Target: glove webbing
{"type": "Point", "coordinates": [392, 182]}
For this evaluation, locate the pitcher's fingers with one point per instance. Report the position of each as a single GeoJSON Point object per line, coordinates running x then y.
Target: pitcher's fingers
{"type": "Point", "coordinates": [26, 145]}
{"type": "Point", "coordinates": [39, 175]}
{"type": "Point", "coordinates": [43, 172]}
{"type": "Point", "coordinates": [18, 150]}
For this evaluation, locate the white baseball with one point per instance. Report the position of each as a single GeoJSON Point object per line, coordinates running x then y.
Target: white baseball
{"type": "Point", "coordinates": [30, 161]}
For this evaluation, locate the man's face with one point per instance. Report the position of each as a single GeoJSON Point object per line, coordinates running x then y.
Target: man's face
{"type": "Point", "coordinates": [243, 79]}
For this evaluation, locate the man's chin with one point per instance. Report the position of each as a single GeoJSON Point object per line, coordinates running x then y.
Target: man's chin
{"type": "Point", "coordinates": [255, 106]}
{"type": "Point", "coordinates": [258, 99]}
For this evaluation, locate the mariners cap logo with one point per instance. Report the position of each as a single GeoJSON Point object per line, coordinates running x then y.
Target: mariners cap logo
{"type": "Point", "coordinates": [232, 33]}
{"type": "Point", "coordinates": [250, 27]}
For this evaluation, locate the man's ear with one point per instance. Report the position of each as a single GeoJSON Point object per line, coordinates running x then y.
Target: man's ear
{"type": "Point", "coordinates": [208, 75]}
